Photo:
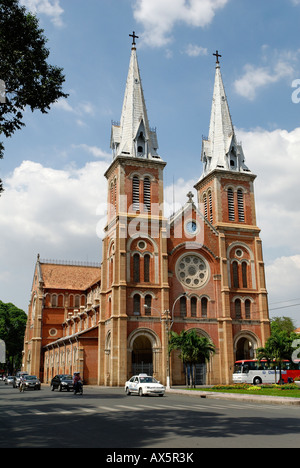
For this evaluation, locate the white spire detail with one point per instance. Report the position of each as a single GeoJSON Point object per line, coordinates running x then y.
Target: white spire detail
{"type": "Point", "coordinates": [133, 136]}
{"type": "Point", "coordinates": [221, 150]}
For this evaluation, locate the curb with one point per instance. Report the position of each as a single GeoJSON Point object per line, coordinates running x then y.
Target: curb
{"type": "Point", "coordinates": [289, 401]}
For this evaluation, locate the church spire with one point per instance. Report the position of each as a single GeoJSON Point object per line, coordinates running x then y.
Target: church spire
{"type": "Point", "coordinates": [221, 150]}
{"type": "Point", "coordinates": [133, 136]}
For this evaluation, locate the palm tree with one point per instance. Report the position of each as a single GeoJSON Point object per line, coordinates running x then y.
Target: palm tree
{"type": "Point", "coordinates": [277, 349]}
{"type": "Point", "coordinates": [194, 349]}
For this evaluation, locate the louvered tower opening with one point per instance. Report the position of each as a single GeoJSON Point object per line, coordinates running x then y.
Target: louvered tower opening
{"type": "Point", "coordinates": [147, 194]}
{"type": "Point", "coordinates": [230, 195]}
{"type": "Point", "coordinates": [135, 193]}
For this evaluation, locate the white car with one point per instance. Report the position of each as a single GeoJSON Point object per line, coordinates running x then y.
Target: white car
{"type": "Point", "coordinates": [144, 384]}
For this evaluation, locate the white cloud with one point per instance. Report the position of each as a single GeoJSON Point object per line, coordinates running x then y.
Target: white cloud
{"type": "Point", "coordinates": [193, 50]}
{"type": "Point", "coordinates": [51, 206]}
{"type": "Point", "coordinates": [273, 156]}
{"type": "Point", "coordinates": [95, 151]}
{"type": "Point", "coordinates": [283, 286]}
{"type": "Point", "coordinates": [279, 65]}
{"type": "Point", "coordinates": [160, 17]}
{"type": "Point", "coordinates": [51, 8]}
{"type": "Point", "coordinates": [82, 108]}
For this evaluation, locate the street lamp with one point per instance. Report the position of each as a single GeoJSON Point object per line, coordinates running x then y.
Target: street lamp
{"type": "Point", "coordinates": [169, 325]}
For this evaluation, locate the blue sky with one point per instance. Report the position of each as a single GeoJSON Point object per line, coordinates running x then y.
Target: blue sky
{"type": "Point", "coordinates": [53, 169]}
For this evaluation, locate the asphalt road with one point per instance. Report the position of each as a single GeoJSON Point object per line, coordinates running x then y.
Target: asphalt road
{"type": "Point", "coordinates": [107, 418]}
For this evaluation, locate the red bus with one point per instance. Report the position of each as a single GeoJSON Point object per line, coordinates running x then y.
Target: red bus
{"type": "Point", "coordinates": [257, 372]}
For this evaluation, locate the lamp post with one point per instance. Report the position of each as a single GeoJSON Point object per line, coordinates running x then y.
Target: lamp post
{"type": "Point", "coordinates": [169, 325]}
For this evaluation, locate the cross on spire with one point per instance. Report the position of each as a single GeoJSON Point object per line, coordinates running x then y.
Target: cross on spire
{"type": "Point", "coordinates": [133, 35]}
{"type": "Point", "coordinates": [190, 196]}
{"type": "Point", "coordinates": [217, 55]}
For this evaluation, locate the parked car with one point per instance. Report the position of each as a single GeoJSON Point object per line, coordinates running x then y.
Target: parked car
{"type": "Point", "coordinates": [144, 384]}
{"type": "Point", "coordinates": [62, 382]}
{"type": "Point", "coordinates": [10, 380]}
{"type": "Point", "coordinates": [31, 381]}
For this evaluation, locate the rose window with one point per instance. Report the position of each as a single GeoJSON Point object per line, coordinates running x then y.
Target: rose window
{"type": "Point", "coordinates": [192, 271]}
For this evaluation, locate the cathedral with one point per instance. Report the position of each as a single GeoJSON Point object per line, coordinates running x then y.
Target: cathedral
{"type": "Point", "coordinates": [201, 269]}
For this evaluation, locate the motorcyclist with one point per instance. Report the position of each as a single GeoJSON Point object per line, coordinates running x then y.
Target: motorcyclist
{"type": "Point", "coordinates": [22, 383]}
{"type": "Point", "coordinates": [77, 382]}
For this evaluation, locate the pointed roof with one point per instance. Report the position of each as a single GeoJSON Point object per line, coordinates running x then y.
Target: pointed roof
{"type": "Point", "coordinates": [133, 136]}
{"type": "Point", "coordinates": [221, 150]}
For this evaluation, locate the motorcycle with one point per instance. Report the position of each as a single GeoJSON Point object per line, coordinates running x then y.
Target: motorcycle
{"type": "Point", "coordinates": [22, 387]}
{"type": "Point", "coordinates": [78, 388]}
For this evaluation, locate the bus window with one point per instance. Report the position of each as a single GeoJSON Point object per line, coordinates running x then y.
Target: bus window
{"type": "Point", "coordinates": [238, 368]}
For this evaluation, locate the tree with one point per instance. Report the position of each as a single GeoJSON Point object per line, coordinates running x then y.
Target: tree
{"type": "Point", "coordinates": [282, 323]}
{"type": "Point", "coordinates": [194, 349]}
{"type": "Point", "coordinates": [12, 330]}
{"type": "Point", "coordinates": [28, 78]}
{"type": "Point", "coordinates": [278, 348]}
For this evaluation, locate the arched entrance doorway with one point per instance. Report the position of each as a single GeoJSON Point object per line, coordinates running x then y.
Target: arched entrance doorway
{"type": "Point", "coordinates": [244, 349]}
{"type": "Point", "coordinates": [144, 353]}
{"type": "Point", "coordinates": [142, 356]}
{"type": "Point", "coordinates": [245, 346]}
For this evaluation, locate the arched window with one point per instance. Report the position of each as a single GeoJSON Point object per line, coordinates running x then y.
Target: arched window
{"type": "Point", "coordinates": [183, 307]}
{"type": "Point", "coordinates": [205, 206]}
{"type": "Point", "coordinates": [147, 268]}
{"type": "Point", "coordinates": [241, 212]}
{"type": "Point", "coordinates": [247, 308]}
{"type": "Point", "coordinates": [136, 268]}
{"type": "Point", "coordinates": [244, 274]}
{"type": "Point", "coordinates": [238, 309]}
{"type": "Point", "coordinates": [54, 300]}
{"type": "Point", "coordinates": [235, 274]}
{"type": "Point", "coordinates": [77, 301]}
{"type": "Point", "coordinates": [137, 304]}
{"type": "Point", "coordinates": [211, 219]}
{"type": "Point", "coordinates": [204, 303]}
{"type": "Point", "coordinates": [115, 193]}
{"type": "Point", "coordinates": [230, 196]}
{"type": "Point", "coordinates": [135, 193]}
{"type": "Point", "coordinates": [148, 304]}
{"type": "Point", "coordinates": [147, 194]}
{"type": "Point", "coordinates": [194, 307]}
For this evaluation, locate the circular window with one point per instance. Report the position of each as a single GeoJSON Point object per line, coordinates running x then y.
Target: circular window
{"type": "Point", "coordinates": [239, 253]}
{"type": "Point", "coordinates": [192, 271]}
{"type": "Point", "coordinates": [191, 227]}
{"type": "Point", "coordinates": [142, 245]}
{"type": "Point", "coordinates": [53, 332]}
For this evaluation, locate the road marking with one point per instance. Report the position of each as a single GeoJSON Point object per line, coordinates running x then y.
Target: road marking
{"type": "Point", "coordinates": [107, 408]}
{"type": "Point", "coordinates": [13, 413]}
{"type": "Point", "coordinates": [86, 410]}
{"type": "Point", "coordinates": [131, 408]}
{"type": "Point", "coordinates": [38, 413]}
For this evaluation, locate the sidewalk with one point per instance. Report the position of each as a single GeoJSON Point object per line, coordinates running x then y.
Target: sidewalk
{"type": "Point", "coordinates": [236, 396]}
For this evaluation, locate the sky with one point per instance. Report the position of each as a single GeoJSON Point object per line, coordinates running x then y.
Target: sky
{"type": "Point", "coordinates": [53, 169]}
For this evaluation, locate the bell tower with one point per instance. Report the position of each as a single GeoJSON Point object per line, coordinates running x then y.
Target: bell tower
{"type": "Point", "coordinates": [226, 193]}
{"type": "Point", "coordinates": [134, 277]}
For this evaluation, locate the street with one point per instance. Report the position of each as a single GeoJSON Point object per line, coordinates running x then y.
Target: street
{"type": "Point", "coordinates": [107, 418]}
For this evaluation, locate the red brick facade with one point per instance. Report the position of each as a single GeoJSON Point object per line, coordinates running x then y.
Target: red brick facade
{"type": "Point", "coordinates": [201, 269]}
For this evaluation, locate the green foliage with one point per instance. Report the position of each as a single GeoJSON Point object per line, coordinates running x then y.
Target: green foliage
{"type": "Point", "coordinates": [12, 329]}
{"type": "Point", "coordinates": [282, 324]}
{"type": "Point", "coordinates": [193, 348]}
{"type": "Point", "coordinates": [29, 79]}
{"type": "Point", "coordinates": [279, 346]}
